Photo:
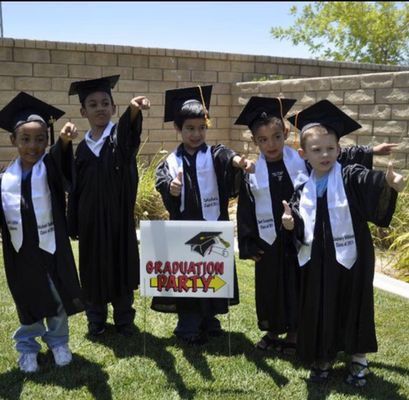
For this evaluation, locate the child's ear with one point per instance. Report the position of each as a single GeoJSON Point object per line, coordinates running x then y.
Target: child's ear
{"type": "Point", "coordinates": [176, 128]}
{"type": "Point", "coordinates": [286, 132]}
{"type": "Point", "coordinates": [83, 112]}
{"type": "Point", "coordinates": [301, 153]}
{"type": "Point", "coordinates": [13, 139]}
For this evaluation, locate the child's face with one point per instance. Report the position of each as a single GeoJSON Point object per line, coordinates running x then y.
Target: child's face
{"type": "Point", "coordinates": [193, 133]}
{"type": "Point", "coordinates": [98, 108]}
{"type": "Point", "coordinates": [270, 140]}
{"type": "Point", "coordinates": [31, 141]}
{"type": "Point", "coordinates": [321, 150]}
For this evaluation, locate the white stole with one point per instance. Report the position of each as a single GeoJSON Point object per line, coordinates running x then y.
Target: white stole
{"type": "Point", "coordinates": [206, 179]}
{"type": "Point", "coordinates": [260, 188]}
{"type": "Point", "coordinates": [339, 215]}
{"type": "Point", "coordinates": [96, 146]}
{"type": "Point", "coordinates": [41, 198]}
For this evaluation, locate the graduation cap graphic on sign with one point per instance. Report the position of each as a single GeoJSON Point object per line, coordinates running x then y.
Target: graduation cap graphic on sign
{"type": "Point", "coordinates": [205, 243]}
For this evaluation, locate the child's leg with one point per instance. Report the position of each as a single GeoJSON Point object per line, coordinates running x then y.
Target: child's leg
{"type": "Point", "coordinates": [124, 314]}
{"type": "Point", "coordinates": [25, 337]}
{"type": "Point", "coordinates": [57, 332]}
{"type": "Point", "coordinates": [211, 325]}
{"type": "Point", "coordinates": [189, 327]}
{"type": "Point", "coordinates": [358, 370]}
{"type": "Point", "coordinates": [27, 346]}
{"type": "Point", "coordinates": [97, 315]}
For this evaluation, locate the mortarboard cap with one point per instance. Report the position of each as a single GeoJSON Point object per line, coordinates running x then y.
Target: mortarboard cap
{"type": "Point", "coordinates": [84, 88]}
{"type": "Point", "coordinates": [25, 108]}
{"type": "Point", "coordinates": [327, 114]}
{"type": "Point", "coordinates": [175, 98]}
{"type": "Point", "coordinates": [202, 241]}
{"type": "Point", "coordinates": [259, 107]}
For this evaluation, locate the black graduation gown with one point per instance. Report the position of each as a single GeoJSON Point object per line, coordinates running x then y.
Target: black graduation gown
{"type": "Point", "coordinates": [27, 270]}
{"type": "Point", "coordinates": [276, 274]}
{"type": "Point", "coordinates": [336, 304]}
{"type": "Point", "coordinates": [101, 213]}
{"type": "Point", "coordinates": [228, 180]}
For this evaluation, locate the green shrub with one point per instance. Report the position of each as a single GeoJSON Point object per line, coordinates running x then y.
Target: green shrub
{"type": "Point", "coordinates": [396, 237]}
{"type": "Point", "coordinates": [149, 205]}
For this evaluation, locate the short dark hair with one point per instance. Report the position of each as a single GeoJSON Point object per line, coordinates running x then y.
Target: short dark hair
{"type": "Point", "coordinates": [85, 98]}
{"type": "Point", "coordinates": [190, 109]}
{"type": "Point", "coordinates": [265, 120]}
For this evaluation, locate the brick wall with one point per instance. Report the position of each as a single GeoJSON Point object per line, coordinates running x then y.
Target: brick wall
{"type": "Point", "coordinates": [46, 69]}
{"type": "Point", "coordinates": [379, 102]}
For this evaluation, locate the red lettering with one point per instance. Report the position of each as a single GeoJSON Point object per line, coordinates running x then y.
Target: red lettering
{"type": "Point", "coordinates": [219, 267]}
{"type": "Point", "coordinates": [182, 283]}
{"type": "Point", "coordinates": [194, 283]}
{"type": "Point", "coordinates": [161, 282]}
{"type": "Point", "coordinates": [171, 283]}
{"type": "Point", "coordinates": [206, 282]}
{"type": "Point", "coordinates": [149, 267]}
{"type": "Point", "coordinates": [158, 265]}
{"type": "Point", "coordinates": [167, 269]}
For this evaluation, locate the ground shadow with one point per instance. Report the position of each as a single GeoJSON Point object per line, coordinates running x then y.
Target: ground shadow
{"type": "Point", "coordinates": [92, 376]}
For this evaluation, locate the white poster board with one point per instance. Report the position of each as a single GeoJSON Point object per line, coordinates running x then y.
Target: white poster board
{"type": "Point", "coordinates": [187, 259]}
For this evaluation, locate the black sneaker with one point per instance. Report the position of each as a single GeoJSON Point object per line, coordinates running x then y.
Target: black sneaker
{"type": "Point", "coordinates": [96, 328]}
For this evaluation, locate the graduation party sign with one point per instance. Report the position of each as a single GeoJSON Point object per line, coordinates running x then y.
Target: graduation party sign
{"type": "Point", "coordinates": [187, 259]}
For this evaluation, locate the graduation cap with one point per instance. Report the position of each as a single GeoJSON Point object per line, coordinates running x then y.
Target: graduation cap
{"type": "Point", "coordinates": [25, 108]}
{"type": "Point", "coordinates": [327, 114]}
{"type": "Point", "coordinates": [202, 241]}
{"type": "Point", "coordinates": [84, 88]}
{"type": "Point", "coordinates": [176, 98]}
{"type": "Point", "coordinates": [264, 107]}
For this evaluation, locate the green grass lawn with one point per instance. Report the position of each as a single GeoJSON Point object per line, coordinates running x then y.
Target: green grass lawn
{"type": "Point", "coordinates": [152, 365]}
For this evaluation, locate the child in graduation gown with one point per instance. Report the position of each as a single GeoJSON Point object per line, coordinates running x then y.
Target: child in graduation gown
{"type": "Point", "coordinates": [100, 211]}
{"type": "Point", "coordinates": [184, 183]}
{"type": "Point", "coordinates": [329, 215]}
{"type": "Point", "coordinates": [38, 259]}
{"type": "Point", "coordinates": [279, 169]}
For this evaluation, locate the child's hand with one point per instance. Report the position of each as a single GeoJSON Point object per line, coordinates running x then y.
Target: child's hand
{"type": "Point", "coordinates": [68, 133]}
{"type": "Point", "coordinates": [243, 163]}
{"type": "Point", "coordinates": [176, 185]}
{"type": "Point", "coordinates": [384, 149]}
{"type": "Point", "coordinates": [287, 218]}
{"type": "Point", "coordinates": [258, 256]}
{"type": "Point", "coordinates": [140, 103]}
{"type": "Point", "coordinates": [394, 180]}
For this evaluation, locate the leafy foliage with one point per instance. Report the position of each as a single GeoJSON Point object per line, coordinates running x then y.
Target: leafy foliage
{"type": "Point", "coordinates": [396, 237]}
{"type": "Point", "coordinates": [366, 32]}
{"type": "Point", "coordinates": [149, 205]}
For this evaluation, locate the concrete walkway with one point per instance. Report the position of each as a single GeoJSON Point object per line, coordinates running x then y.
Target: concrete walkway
{"type": "Point", "coordinates": [391, 285]}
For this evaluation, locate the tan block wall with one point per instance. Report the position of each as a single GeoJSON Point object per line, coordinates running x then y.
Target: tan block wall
{"type": "Point", "coordinates": [379, 102]}
{"type": "Point", "coordinates": [46, 69]}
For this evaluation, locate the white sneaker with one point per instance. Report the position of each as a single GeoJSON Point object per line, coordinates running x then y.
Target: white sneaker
{"type": "Point", "coordinates": [28, 362]}
{"type": "Point", "coordinates": [62, 355]}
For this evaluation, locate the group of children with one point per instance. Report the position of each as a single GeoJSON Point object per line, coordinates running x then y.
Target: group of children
{"type": "Point", "coordinates": [302, 217]}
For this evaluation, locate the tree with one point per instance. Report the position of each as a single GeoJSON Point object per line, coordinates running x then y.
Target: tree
{"type": "Point", "coordinates": [372, 32]}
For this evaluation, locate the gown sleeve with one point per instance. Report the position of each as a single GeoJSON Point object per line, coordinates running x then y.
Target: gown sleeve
{"type": "Point", "coordinates": [369, 194]}
{"type": "Point", "coordinates": [163, 180]}
{"type": "Point", "coordinates": [62, 161]}
{"type": "Point", "coordinates": [356, 155]}
{"type": "Point", "coordinates": [247, 229]}
{"type": "Point", "coordinates": [229, 176]}
{"type": "Point", "coordinates": [128, 134]}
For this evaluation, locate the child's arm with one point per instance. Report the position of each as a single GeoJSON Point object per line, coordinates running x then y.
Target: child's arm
{"type": "Point", "coordinates": [129, 127]}
{"type": "Point", "coordinates": [394, 180]}
{"type": "Point", "coordinates": [61, 154]}
{"type": "Point", "coordinates": [163, 184]}
{"type": "Point", "coordinates": [243, 163]}
{"type": "Point", "coordinates": [247, 230]}
{"type": "Point", "coordinates": [384, 149]}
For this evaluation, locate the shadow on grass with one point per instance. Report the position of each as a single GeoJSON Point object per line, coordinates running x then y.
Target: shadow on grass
{"type": "Point", "coordinates": [156, 350]}
{"type": "Point", "coordinates": [92, 376]}
{"type": "Point", "coordinates": [376, 388]}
